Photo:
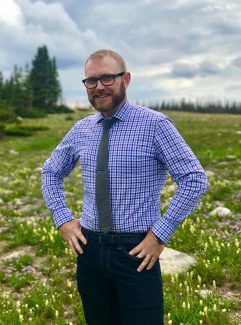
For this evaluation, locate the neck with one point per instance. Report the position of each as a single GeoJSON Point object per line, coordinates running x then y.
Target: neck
{"type": "Point", "coordinates": [114, 110]}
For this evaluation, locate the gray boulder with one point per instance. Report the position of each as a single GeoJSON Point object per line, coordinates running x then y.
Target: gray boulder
{"type": "Point", "coordinates": [221, 212]}
{"type": "Point", "coordinates": [173, 261]}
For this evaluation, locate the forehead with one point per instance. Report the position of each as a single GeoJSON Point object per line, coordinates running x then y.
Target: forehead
{"type": "Point", "coordinates": [105, 65]}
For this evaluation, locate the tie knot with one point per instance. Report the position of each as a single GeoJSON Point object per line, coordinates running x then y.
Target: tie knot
{"type": "Point", "coordinates": [107, 123]}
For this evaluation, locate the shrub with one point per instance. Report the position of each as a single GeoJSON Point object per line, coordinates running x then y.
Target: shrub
{"type": "Point", "coordinates": [29, 113]}
{"type": "Point", "coordinates": [20, 130]}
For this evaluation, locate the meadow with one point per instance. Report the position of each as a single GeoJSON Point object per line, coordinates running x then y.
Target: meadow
{"type": "Point", "coordinates": [37, 269]}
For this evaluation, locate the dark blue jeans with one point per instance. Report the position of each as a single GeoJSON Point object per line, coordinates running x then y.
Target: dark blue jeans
{"type": "Point", "coordinates": [112, 291]}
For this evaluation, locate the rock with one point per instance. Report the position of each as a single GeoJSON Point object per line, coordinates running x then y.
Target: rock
{"type": "Point", "coordinates": [3, 229]}
{"type": "Point", "coordinates": [13, 152]}
{"type": "Point", "coordinates": [173, 261]}
{"type": "Point", "coordinates": [209, 173]}
{"type": "Point", "coordinates": [18, 201]}
{"type": "Point", "coordinates": [5, 192]}
{"type": "Point", "coordinates": [38, 169]}
{"type": "Point", "coordinates": [33, 206]}
{"type": "Point", "coordinates": [231, 295]}
{"type": "Point", "coordinates": [28, 269]}
{"type": "Point", "coordinates": [231, 157]}
{"type": "Point", "coordinates": [15, 254]}
{"type": "Point", "coordinates": [172, 188]}
{"type": "Point", "coordinates": [205, 293]}
{"type": "Point", "coordinates": [5, 179]}
{"type": "Point", "coordinates": [221, 212]}
{"type": "Point", "coordinates": [223, 163]}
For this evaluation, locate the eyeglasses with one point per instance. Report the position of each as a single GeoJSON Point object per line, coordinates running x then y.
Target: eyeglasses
{"type": "Point", "coordinates": [106, 80]}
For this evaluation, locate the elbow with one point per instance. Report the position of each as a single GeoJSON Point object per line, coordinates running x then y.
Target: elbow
{"type": "Point", "coordinates": [203, 183]}
{"type": "Point", "coordinates": [197, 183]}
{"type": "Point", "coordinates": [44, 173]}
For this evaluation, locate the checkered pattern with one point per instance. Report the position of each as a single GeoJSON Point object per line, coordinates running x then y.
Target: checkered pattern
{"type": "Point", "coordinates": [144, 146]}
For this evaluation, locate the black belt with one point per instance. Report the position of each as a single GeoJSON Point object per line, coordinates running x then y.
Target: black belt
{"type": "Point", "coordinates": [114, 238]}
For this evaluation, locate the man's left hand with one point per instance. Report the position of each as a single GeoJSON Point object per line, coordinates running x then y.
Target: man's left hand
{"type": "Point", "coordinates": [149, 249]}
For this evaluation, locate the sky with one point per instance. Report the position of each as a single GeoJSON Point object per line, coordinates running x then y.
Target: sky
{"type": "Point", "coordinates": [174, 49]}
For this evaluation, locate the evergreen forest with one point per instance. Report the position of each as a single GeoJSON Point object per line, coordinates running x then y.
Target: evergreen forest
{"type": "Point", "coordinates": [32, 91]}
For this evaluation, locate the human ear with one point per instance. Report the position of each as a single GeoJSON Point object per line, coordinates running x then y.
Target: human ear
{"type": "Point", "coordinates": [127, 79]}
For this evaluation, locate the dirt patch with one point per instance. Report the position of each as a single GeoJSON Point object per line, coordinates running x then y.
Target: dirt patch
{"type": "Point", "coordinates": [229, 291]}
{"type": "Point", "coordinates": [2, 246]}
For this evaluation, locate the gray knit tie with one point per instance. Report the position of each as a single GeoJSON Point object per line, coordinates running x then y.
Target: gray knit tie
{"type": "Point", "coordinates": [102, 189]}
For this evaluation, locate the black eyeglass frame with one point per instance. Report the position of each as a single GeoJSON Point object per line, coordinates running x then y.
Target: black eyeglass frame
{"type": "Point", "coordinates": [114, 76]}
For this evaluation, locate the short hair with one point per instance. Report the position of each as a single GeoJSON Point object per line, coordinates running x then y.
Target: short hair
{"type": "Point", "coordinates": [100, 54]}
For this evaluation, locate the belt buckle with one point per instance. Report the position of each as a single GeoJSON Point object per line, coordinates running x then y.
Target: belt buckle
{"type": "Point", "coordinates": [108, 238]}
{"type": "Point", "coordinates": [104, 239]}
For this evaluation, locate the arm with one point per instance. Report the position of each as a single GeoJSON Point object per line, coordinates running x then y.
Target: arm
{"type": "Point", "coordinates": [185, 169]}
{"type": "Point", "coordinates": [59, 165]}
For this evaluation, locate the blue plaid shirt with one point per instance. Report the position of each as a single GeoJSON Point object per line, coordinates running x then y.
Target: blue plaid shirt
{"type": "Point", "coordinates": [144, 146]}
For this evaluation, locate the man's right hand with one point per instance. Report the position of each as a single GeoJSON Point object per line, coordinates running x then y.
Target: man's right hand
{"type": "Point", "coordinates": [71, 232]}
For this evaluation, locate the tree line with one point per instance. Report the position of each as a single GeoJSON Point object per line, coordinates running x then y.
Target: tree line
{"type": "Point", "coordinates": [199, 107]}
{"type": "Point", "coordinates": [32, 91]}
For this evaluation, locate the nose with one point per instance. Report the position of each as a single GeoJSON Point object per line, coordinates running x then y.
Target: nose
{"type": "Point", "coordinates": [99, 85]}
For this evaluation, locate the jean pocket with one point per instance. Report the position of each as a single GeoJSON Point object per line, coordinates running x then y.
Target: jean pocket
{"type": "Point", "coordinates": [125, 249]}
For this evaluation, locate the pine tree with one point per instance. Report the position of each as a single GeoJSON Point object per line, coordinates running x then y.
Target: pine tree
{"type": "Point", "coordinates": [1, 85]}
{"type": "Point", "coordinates": [27, 95]}
{"type": "Point", "coordinates": [44, 80]}
{"type": "Point", "coordinates": [55, 87]}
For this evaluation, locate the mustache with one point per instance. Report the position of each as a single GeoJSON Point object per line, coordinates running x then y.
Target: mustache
{"type": "Point", "coordinates": [101, 94]}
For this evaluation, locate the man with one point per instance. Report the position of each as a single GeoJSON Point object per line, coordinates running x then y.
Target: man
{"type": "Point", "coordinates": [125, 152]}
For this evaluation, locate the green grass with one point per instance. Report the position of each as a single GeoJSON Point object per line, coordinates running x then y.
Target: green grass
{"type": "Point", "coordinates": [39, 287]}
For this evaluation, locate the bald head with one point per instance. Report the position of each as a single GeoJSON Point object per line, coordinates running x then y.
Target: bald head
{"type": "Point", "coordinates": [100, 54]}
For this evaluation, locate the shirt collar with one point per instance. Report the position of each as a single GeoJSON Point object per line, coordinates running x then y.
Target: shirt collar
{"type": "Point", "coordinates": [121, 114]}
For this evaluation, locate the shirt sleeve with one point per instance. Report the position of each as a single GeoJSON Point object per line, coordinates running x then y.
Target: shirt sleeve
{"type": "Point", "coordinates": [59, 165]}
{"type": "Point", "coordinates": [185, 170]}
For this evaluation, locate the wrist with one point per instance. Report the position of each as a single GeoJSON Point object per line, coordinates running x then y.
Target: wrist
{"type": "Point", "coordinates": [157, 239]}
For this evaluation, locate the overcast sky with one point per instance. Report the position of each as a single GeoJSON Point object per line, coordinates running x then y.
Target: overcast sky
{"type": "Point", "coordinates": [174, 49]}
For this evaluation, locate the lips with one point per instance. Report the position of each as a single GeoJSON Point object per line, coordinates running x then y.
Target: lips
{"type": "Point", "coordinates": [101, 96]}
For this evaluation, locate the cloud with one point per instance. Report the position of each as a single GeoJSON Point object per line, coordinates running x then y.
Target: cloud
{"type": "Point", "coordinates": [204, 69]}
{"type": "Point", "coordinates": [10, 13]}
{"type": "Point", "coordinates": [237, 62]}
{"type": "Point", "coordinates": [184, 71]}
{"type": "Point", "coordinates": [40, 23]}
{"type": "Point", "coordinates": [171, 47]}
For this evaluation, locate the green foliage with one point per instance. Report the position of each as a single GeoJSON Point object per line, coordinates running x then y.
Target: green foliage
{"type": "Point", "coordinates": [198, 107]}
{"type": "Point", "coordinates": [44, 80]}
{"type": "Point", "coordinates": [49, 295]}
{"type": "Point", "coordinates": [7, 112]}
{"type": "Point", "coordinates": [32, 92]}
{"type": "Point", "coordinates": [2, 129]}
{"type": "Point", "coordinates": [2, 274]}
{"type": "Point", "coordinates": [19, 281]}
{"type": "Point", "coordinates": [19, 263]}
{"type": "Point", "coordinates": [59, 109]}
{"type": "Point", "coordinates": [18, 131]}
{"type": "Point", "coordinates": [29, 113]}
{"type": "Point", "coordinates": [23, 130]}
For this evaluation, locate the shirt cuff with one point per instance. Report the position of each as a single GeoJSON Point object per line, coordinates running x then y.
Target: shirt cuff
{"type": "Point", "coordinates": [62, 216]}
{"type": "Point", "coordinates": [164, 229]}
